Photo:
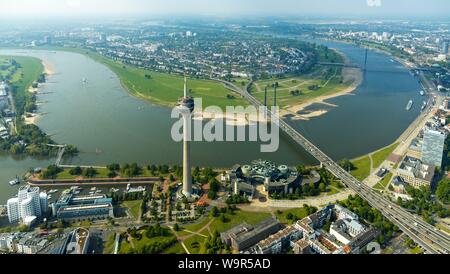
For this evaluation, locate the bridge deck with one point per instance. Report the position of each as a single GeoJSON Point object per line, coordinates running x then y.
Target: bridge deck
{"type": "Point", "coordinates": [422, 233]}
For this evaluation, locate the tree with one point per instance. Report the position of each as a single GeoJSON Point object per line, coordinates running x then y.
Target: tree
{"type": "Point", "coordinates": [90, 172]}
{"type": "Point", "coordinates": [346, 164]}
{"type": "Point", "coordinates": [113, 167]}
{"type": "Point", "coordinates": [23, 228]}
{"type": "Point", "coordinates": [322, 187]}
{"type": "Point", "coordinates": [443, 190]}
{"type": "Point", "coordinates": [214, 212]}
{"type": "Point", "coordinates": [176, 227]}
{"type": "Point", "coordinates": [76, 171]}
{"type": "Point", "coordinates": [223, 218]}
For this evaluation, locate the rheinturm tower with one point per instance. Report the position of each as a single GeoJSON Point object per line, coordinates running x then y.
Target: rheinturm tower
{"type": "Point", "coordinates": [186, 106]}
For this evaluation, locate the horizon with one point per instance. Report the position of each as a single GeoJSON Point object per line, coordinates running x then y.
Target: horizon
{"type": "Point", "coordinates": [57, 9]}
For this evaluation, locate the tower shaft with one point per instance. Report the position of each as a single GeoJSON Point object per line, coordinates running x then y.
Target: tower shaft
{"type": "Point", "coordinates": [187, 177]}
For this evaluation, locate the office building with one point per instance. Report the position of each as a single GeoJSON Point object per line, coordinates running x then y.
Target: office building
{"type": "Point", "coordinates": [433, 147]}
{"type": "Point", "coordinates": [245, 236]}
{"type": "Point", "coordinates": [415, 173]}
{"type": "Point", "coordinates": [77, 242]}
{"type": "Point", "coordinates": [276, 243]}
{"type": "Point", "coordinates": [70, 206]}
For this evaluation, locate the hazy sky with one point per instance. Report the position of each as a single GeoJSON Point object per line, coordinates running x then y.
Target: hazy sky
{"type": "Point", "coordinates": [47, 8]}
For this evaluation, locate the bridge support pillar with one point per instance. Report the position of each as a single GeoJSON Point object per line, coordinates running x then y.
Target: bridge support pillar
{"type": "Point", "coordinates": [321, 165]}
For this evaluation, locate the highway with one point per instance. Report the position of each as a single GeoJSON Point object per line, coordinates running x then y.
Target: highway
{"type": "Point", "coordinates": [425, 235]}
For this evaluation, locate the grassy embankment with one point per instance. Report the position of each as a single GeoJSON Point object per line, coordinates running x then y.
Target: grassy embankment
{"type": "Point", "coordinates": [29, 70]}
{"type": "Point", "coordinates": [163, 88]}
{"type": "Point", "coordinates": [383, 183]}
{"type": "Point", "coordinates": [298, 89]}
{"type": "Point", "coordinates": [363, 164]}
{"type": "Point", "coordinates": [362, 168]}
{"type": "Point", "coordinates": [21, 72]}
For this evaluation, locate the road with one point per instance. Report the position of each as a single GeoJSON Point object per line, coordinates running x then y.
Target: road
{"type": "Point", "coordinates": [424, 234]}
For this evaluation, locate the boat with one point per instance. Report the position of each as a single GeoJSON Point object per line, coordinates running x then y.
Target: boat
{"type": "Point", "coordinates": [422, 93]}
{"type": "Point", "coordinates": [84, 80]}
{"type": "Point", "coordinates": [49, 197]}
{"type": "Point", "coordinates": [14, 182]}
{"type": "Point", "coordinates": [423, 105]}
{"type": "Point", "coordinates": [52, 191]}
{"type": "Point", "coordinates": [114, 190]}
{"type": "Point", "coordinates": [93, 188]}
{"type": "Point", "coordinates": [409, 105]}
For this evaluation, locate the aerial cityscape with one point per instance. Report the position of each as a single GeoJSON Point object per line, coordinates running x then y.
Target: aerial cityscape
{"type": "Point", "coordinates": [245, 128]}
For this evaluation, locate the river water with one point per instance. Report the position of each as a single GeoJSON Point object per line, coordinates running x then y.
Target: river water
{"type": "Point", "coordinates": [108, 125]}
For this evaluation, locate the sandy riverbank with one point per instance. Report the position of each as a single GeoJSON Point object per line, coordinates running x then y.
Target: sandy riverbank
{"type": "Point", "coordinates": [32, 118]}
{"type": "Point", "coordinates": [353, 75]}
{"type": "Point", "coordinates": [231, 119]}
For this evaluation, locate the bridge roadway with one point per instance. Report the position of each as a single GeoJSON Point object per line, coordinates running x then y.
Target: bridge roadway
{"type": "Point", "coordinates": [425, 235]}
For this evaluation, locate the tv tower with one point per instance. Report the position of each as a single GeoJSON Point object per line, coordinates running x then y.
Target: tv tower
{"type": "Point", "coordinates": [186, 106]}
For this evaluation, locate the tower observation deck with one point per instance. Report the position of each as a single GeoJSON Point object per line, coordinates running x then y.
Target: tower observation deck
{"type": "Point", "coordinates": [186, 106]}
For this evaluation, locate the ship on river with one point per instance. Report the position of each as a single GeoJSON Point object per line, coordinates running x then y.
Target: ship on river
{"type": "Point", "coordinates": [409, 105]}
{"type": "Point", "coordinates": [423, 105]}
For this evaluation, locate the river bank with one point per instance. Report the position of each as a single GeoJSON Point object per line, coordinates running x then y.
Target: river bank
{"type": "Point", "coordinates": [33, 118]}
{"type": "Point", "coordinates": [353, 75]}
{"type": "Point", "coordinates": [127, 129]}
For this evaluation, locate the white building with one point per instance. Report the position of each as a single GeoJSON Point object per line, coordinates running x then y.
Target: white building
{"type": "Point", "coordinates": [29, 202]}
{"type": "Point", "coordinates": [13, 210]}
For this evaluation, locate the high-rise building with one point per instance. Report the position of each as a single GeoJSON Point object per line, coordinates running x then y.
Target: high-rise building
{"type": "Point", "coordinates": [186, 106]}
{"type": "Point", "coordinates": [29, 202]}
{"type": "Point", "coordinates": [445, 47]}
{"type": "Point", "coordinates": [12, 207]}
{"type": "Point", "coordinates": [44, 202]}
{"type": "Point", "coordinates": [433, 147]}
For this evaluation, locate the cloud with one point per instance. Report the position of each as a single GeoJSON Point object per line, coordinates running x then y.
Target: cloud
{"type": "Point", "coordinates": [374, 3]}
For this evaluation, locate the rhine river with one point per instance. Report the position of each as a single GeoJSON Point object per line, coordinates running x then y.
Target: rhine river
{"type": "Point", "coordinates": [108, 125]}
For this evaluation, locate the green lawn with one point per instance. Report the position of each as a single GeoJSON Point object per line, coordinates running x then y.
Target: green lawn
{"type": "Point", "coordinates": [134, 207]}
{"type": "Point", "coordinates": [126, 247]}
{"type": "Point", "coordinates": [300, 213]}
{"type": "Point", "coordinates": [195, 244]}
{"type": "Point", "coordinates": [29, 71]}
{"type": "Point", "coordinates": [383, 183]}
{"type": "Point", "coordinates": [328, 83]}
{"type": "Point", "coordinates": [239, 217]}
{"type": "Point", "coordinates": [416, 250]}
{"type": "Point", "coordinates": [163, 88]}
{"type": "Point", "coordinates": [362, 168]}
{"type": "Point", "coordinates": [193, 227]}
{"type": "Point", "coordinates": [175, 249]}
{"type": "Point", "coordinates": [110, 244]}
{"type": "Point", "coordinates": [379, 157]}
